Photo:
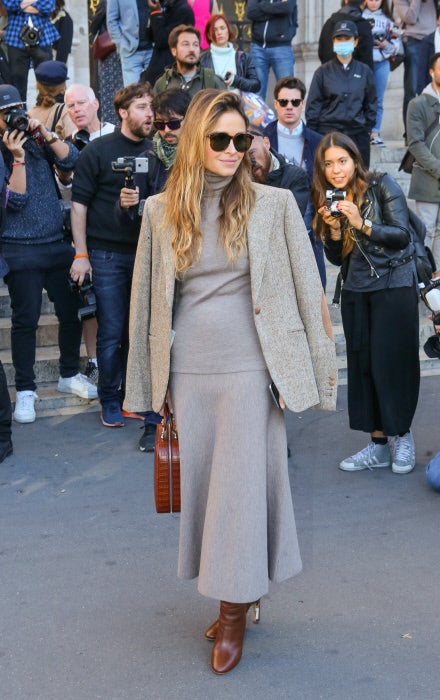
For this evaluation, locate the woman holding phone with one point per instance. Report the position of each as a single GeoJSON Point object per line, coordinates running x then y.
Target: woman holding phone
{"type": "Point", "coordinates": [224, 275]}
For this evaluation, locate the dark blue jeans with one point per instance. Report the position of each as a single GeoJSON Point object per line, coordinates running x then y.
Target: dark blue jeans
{"type": "Point", "coordinates": [112, 275]}
{"type": "Point", "coordinates": [411, 67]}
{"type": "Point", "coordinates": [32, 269]}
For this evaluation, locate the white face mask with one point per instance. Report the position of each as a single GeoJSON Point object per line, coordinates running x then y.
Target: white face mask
{"type": "Point", "coordinates": [343, 48]}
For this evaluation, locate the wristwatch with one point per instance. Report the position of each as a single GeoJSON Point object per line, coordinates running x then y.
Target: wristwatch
{"type": "Point", "coordinates": [54, 137]}
{"type": "Point", "coordinates": [366, 227]}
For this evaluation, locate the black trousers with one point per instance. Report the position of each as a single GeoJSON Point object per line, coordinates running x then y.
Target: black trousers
{"type": "Point", "coordinates": [5, 408]}
{"type": "Point", "coordinates": [32, 269]}
{"type": "Point", "coordinates": [362, 141]}
{"type": "Point", "coordinates": [20, 63]}
{"type": "Point", "coordinates": [382, 335]}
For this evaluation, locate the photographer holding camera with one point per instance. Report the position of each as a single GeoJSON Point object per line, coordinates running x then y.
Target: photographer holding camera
{"type": "Point", "coordinates": [105, 249]}
{"type": "Point", "coordinates": [29, 37]}
{"type": "Point", "coordinates": [34, 247]}
{"type": "Point", "coordinates": [362, 219]}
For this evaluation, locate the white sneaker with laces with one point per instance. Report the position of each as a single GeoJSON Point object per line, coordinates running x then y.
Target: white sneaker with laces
{"type": "Point", "coordinates": [372, 455]}
{"type": "Point", "coordinates": [24, 411]}
{"type": "Point", "coordinates": [404, 459]}
{"type": "Point", "coordinates": [79, 385]}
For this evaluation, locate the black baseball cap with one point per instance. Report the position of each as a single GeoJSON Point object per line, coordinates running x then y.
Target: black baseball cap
{"type": "Point", "coordinates": [345, 28]}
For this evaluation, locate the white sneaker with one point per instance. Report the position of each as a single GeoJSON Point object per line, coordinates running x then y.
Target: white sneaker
{"type": "Point", "coordinates": [371, 456]}
{"type": "Point", "coordinates": [79, 385]}
{"type": "Point", "coordinates": [404, 459]}
{"type": "Point", "coordinates": [24, 411]}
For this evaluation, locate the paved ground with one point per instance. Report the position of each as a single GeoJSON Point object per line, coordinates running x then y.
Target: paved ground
{"type": "Point", "coordinates": [90, 607]}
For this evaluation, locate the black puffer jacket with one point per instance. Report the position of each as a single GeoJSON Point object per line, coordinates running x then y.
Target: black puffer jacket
{"type": "Point", "coordinates": [390, 242]}
{"type": "Point", "coordinates": [246, 77]}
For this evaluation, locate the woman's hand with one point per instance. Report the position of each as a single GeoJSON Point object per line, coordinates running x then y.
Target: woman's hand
{"type": "Point", "coordinates": [282, 402]}
{"type": "Point", "coordinates": [167, 401]}
{"type": "Point", "coordinates": [351, 211]}
{"type": "Point", "coordinates": [332, 222]}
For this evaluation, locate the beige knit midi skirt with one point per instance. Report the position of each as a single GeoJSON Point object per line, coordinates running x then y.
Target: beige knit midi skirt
{"type": "Point", "coordinates": [237, 526]}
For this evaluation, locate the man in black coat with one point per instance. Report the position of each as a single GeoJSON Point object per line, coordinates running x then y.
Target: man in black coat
{"type": "Point", "coordinates": [164, 16]}
{"type": "Point", "coordinates": [351, 10]}
{"type": "Point", "coordinates": [271, 168]}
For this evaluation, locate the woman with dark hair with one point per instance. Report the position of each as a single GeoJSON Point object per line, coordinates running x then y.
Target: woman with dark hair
{"type": "Point", "coordinates": [362, 219]}
{"type": "Point", "coordinates": [226, 301]}
{"type": "Point", "coordinates": [235, 67]}
{"type": "Point", "coordinates": [61, 19]}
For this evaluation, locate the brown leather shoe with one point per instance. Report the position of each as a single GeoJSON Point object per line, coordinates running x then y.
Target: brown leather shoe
{"type": "Point", "coordinates": [228, 645]}
{"type": "Point", "coordinates": [211, 632]}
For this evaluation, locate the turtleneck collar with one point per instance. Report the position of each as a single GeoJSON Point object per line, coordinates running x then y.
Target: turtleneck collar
{"type": "Point", "coordinates": [215, 184]}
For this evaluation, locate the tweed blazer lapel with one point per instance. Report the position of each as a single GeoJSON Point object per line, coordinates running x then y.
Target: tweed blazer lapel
{"type": "Point", "coordinates": [260, 223]}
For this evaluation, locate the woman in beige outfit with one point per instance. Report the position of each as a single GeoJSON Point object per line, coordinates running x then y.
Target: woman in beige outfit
{"type": "Point", "coordinates": [246, 310]}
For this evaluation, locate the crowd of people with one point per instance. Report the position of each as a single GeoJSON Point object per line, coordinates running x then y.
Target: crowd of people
{"type": "Point", "coordinates": [202, 237]}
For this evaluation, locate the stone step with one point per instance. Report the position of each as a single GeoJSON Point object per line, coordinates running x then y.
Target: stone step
{"type": "Point", "coordinates": [5, 304]}
{"type": "Point", "coordinates": [47, 333]}
{"type": "Point", "coordinates": [46, 364]}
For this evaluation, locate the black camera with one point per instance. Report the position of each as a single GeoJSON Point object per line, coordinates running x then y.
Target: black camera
{"type": "Point", "coordinates": [81, 139]}
{"type": "Point", "coordinates": [17, 118]}
{"type": "Point", "coordinates": [29, 35]}
{"type": "Point", "coordinates": [87, 296]}
{"type": "Point", "coordinates": [380, 37]}
{"type": "Point", "coordinates": [129, 165]}
{"type": "Point", "coordinates": [332, 197]}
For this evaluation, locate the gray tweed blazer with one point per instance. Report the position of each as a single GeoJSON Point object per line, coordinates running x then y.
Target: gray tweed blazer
{"type": "Point", "coordinates": [286, 296]}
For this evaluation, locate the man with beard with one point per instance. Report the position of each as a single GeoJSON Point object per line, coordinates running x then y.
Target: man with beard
{"type": "Point", "coordinates": [106, 249]}
{"type": "Point", "coordinates": [186, 73]}
{"type": "Point", "coordinates": [271, 168]}
{"type": "Point", "coordinates": [164, 16]}
{"type": "Point", "coordinates": [169, 109]}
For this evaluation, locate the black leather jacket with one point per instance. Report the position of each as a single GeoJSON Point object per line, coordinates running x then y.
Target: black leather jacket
{"type": "Point", "coordinates": [390, 242]}
{"type": "Point", "coordinates": [246, 77]}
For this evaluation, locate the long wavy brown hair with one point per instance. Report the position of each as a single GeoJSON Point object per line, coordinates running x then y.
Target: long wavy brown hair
{"type": "Point", "coordinates": [185, 185]}
{"type": "Point", "coordinates": [357, 187]}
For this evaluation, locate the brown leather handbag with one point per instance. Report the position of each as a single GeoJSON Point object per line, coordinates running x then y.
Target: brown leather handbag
{"type": "Point", "coordinates": [103, 46]}
{"type": "Point", "coordinates": [167, 466]}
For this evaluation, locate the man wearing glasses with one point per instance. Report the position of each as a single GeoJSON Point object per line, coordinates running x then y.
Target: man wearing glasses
{"type": "Point", "coordinates": [288, 134]}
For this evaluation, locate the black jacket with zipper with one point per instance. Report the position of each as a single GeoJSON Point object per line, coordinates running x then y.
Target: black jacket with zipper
{"type": "Point", "coordinates": [390, 241]}
{"type": "Point", "coordinates": [274, 22]}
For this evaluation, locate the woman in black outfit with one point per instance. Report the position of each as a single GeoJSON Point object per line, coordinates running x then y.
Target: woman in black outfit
{"type": "Point", "coordinates": [367, 233]}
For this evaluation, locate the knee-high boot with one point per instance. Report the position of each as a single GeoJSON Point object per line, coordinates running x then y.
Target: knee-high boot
{"type": "Point", "coordinates": [228, 644]}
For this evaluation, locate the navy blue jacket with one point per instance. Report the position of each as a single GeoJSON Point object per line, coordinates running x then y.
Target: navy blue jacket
{"type": "Point", "coordinates": [274, 22]}
{"type": "Point", "coordinates": [311, 140]}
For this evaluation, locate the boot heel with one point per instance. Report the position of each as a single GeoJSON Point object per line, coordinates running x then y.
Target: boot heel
{"type": "Point", "coordinates": [257, 611]}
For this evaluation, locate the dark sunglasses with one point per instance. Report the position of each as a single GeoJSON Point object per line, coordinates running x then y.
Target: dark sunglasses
{"type": "Point", "coordinates": [294, 103]}
{"type": "Point", "coordinates": [221, 140]}
{"type": "Point", "coordinates": [172, 124]}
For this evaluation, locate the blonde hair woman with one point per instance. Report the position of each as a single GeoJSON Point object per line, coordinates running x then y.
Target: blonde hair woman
{"type": "Point", "coordinates": [225, 275]}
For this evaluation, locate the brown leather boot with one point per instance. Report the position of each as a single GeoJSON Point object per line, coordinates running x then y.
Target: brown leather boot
{"type": "Point", "coordinates": [211, 632]}
{"type": "Point", "coordinates": [228, 644]}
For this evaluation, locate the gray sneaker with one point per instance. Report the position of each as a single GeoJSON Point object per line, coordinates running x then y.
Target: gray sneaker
{"type": "Point", "coordinates": [371, 456]}
{"type": "Point", "coordinates": [404, 459]}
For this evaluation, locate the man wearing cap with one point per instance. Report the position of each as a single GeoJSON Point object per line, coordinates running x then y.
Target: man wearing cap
{"type": "Point", "coordinates": [342, 95]}
{"type": "Point", "coordinates": [351, 10]}
{"type": "Point", "coordinates": [29, 37]}
{"type": "Point", "coordinates": [38, 256]}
